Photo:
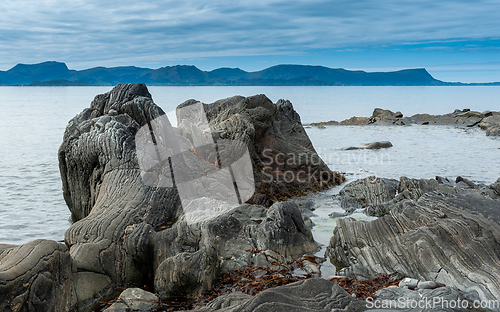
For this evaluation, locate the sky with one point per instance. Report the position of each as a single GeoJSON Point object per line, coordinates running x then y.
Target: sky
{"type": "Point", "coordinates": [454, 40]}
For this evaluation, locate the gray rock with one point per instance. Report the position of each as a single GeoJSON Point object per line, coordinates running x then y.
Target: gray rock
{"type": "Point", "coordinates": [314, 294]}
{"type": "Point", "coordinates": [337, 215]}
{"type": "Point", "coordinates": [135, 299]}
{"type": "Point", "coordinates": [374, 145]}
{"type": "Point", "coordinates": [424, 300]}
{"type": "Point", "coordinates": [36, 276]}
{"type": "Point", "coordinates": [489, 121]}
{"type": "Point", "coordinates": [493, 131]}
{"type": "Point", "coordinates": [128, 234]}
{"type": "Point", "coordinates": [366, 192]}
{"type": "Point", "coordinates": [419, 237]}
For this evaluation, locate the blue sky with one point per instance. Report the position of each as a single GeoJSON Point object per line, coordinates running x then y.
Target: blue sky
{"type": "Point", "coordinates": [453, 40]}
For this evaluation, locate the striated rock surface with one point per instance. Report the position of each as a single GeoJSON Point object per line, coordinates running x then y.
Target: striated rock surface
{"type": "Point", "coordinates": [131, 232]}
{"type": "Point", "coordinates": [429, 231]}
{"type": "Point", "coordinates": [36, 276]}
{"type": "Point", "coordinates": [127, 233]}
{"type": "Point", "coordinates": [308, 295]}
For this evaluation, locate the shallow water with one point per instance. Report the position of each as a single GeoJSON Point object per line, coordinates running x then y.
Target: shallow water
{"type": "Point", "coordinates": [34, 119]}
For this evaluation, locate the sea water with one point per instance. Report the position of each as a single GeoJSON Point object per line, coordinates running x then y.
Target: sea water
{"type": "Point", "coordinates": [34, 119]}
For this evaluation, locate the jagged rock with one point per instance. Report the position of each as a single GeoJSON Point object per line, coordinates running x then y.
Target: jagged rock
{"type": "Point", "coordinates": [128, 233]}
{"type": "Point", "coordinates": [313, 294]}
{"type": "Point", "coordinates": [418, 238]}
{"type": "Point", "coordinates": [135, 299]}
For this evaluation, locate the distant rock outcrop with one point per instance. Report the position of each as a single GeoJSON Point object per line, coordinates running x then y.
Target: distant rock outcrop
{"type": "Point", "coordinates": [489, 121]}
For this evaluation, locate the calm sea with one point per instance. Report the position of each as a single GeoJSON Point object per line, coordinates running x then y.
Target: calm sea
{"type": "Point", "coordinates": [34, 119]}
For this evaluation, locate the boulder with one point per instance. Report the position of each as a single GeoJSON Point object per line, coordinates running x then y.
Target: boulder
{"type": "Point", "coordinates": [135, 299]}
{"type": "Point", "coordinates": [379, 195]}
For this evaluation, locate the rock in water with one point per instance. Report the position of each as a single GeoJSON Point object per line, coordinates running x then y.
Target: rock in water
{"type": "Point", "coordinates": [373, 145]}
{"type": "Point", "coordinates": [127, 233]}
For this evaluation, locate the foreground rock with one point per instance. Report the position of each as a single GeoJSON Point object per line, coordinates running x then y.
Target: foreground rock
{"type": "Point", "coordinates": [489, 121]}
{"type": "Point", "coordinates": [429, 231]}
{"type": "Point", "coordinates": [128, 234]}
{"type": "Point", "coordinates": [309, 295]}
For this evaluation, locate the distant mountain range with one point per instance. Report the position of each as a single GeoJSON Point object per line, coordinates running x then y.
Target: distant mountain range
{"type": "Point", "coordinates": [58, 74]}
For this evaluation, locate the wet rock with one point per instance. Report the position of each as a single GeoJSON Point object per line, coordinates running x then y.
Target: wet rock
{"type": "Point", "coordinates": [493, 120]}
{"type": "Point", "coordinates": [465, 183]}
{"type": "Point", "coordinates": [337, 215]}
{"type": "Point", "coordinates": [493, 131]}
{"type": "Point", "coordinates": [128, 233]}
{"type": "Point", "coordinates": [417, 238]}
{"type": "Point", "coordinates": [489, 121]}
{"type": "Point", "coordinates": [440, 299]}
{"type": "Point", "coordinates": [444, 180]}
{"type": "Point", "coordinates": [308, 295]}
{"type": "Point", "coordinates": [366, 192]}
{"type": "Point", "coordinates": [36, 276]}
{"type": "Point", "coordinates": [374, 145]}
{"type": "Point", "coordinates": [135, 299]}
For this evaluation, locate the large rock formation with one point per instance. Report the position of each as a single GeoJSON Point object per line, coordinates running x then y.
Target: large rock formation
{"type": "Point", "coordinates": [429, 231]}
{"type": "Point", "coordinates": [128, 233]}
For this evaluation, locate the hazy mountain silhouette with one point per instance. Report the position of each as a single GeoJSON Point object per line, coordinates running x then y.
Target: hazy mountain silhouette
{"type": "Point", "coordinates": [58, 74]}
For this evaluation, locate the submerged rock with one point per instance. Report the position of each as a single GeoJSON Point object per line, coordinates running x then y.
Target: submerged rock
{"type": "Point", "coordinates": [135, 299]}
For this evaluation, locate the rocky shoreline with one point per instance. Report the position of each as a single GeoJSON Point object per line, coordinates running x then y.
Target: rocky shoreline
{"type": "Point", "coordinates": [489, 121]}
{"type": "Point", "coordinates": [129, 236]}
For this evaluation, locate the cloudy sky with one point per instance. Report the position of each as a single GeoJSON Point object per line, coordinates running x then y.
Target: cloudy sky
{"type": "Point", "coordinates": [455, 40]}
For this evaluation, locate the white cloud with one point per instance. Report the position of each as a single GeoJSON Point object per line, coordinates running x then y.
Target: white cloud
{"type": "Point", "coordinates": [118, 32]}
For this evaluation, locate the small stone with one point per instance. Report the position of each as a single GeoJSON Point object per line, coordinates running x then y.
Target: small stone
{"type": "Point", "coordinates": [135, 299]}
